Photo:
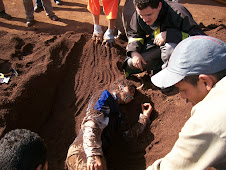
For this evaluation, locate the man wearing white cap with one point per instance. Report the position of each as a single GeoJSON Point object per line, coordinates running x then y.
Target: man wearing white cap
{"type": "Point", "coordinates": [197, 68]}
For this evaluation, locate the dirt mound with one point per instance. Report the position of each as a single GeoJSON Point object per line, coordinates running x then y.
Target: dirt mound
{"type": "Point", "coordinates": [30, 99]}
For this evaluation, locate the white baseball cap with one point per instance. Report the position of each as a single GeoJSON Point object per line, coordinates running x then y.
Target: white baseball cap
{"type": "Point", "coordinates": [193, 56]}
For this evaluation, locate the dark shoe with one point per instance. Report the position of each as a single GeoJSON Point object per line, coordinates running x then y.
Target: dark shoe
{"type": "Point", "coordinates": [58, 2]}
{"type": "Point", "coordinates": [54, 18]}
{"type": "Point", "coordinates": [30, 23]}
{"type": "Point", "coordinates": [5, 15]}
{"type": "Point", "coordinates": [38, 9]}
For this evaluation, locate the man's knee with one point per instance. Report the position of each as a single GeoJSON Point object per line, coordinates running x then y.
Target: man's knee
{"type": "Point", "coordinates": [167, 50]}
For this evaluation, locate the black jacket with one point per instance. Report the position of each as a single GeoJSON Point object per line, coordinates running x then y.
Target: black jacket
{"type": "Point", "coordinates": [173, 18]}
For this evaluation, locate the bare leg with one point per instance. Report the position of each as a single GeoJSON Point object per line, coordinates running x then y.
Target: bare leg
{"type": "Point", "coordinates": [111, 24]}
{"type": "Point", "coordinates": [109, 34]}
{"type": "Point", "coordinates": [97, 32]}
{"type": "Point", "coordinates": [96, 19]}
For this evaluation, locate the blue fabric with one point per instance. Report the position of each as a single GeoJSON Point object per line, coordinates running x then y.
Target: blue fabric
{"type": "Point", "coordinates": [104, 96]}
{"type": "Point", "coordinates": [106, 104]}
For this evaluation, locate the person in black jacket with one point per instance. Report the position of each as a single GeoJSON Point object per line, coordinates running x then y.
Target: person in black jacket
{"type": "Point", "coordinates": [155, 30]}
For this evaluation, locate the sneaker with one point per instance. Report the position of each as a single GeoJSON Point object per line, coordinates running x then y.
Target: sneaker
{"type": "Point", "coordinates": [97, 34]}
{"type": "Point", "coordinates": [109, 34]}
{"type": "Point", "coordinates": [54, 18]}
{"type": "Point", "coordinates": [97, 31]}
{"type": "Point", "coordinates": [30, 23]}
{"type": "Point", "coordinates": [38, 9]}
{"type": "Point", "coordinates": [58, 2]}
{"type": "Point", "coordinates": [108, 39]}
{"type": "Point", "coordinates": [5, 15]}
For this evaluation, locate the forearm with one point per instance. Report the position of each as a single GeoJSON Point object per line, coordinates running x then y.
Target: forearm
{"type": "Point", "coordinates": [137, 129]}
{"type": "Point", "coordinates": [92, 130]}
{"type": "Point", "coordinates": [175, 35]}
{"type": "Point", "coordinates": [92, 140]}
{"type": "Point", "coordinates": [184, 26]}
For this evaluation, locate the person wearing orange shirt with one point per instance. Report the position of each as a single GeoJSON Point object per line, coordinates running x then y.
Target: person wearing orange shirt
{"type": "Point", "coordinates": [110, 9]}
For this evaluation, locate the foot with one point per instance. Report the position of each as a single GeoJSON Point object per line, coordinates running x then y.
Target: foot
{"type": "Point", "coordinates": [5, 15]}
{"type": "Point", "coordinates": [54, 18]}
{"type": "Point", "coordinates": [30, 23]}
{"type": "Point", "coordinates": [109, 38]}
{"type": "Point", "coordinates": [58, 2]}
{"type": "Point", "coordinates": [97, 34]}
{"type": "Point", "coordinates": [38, 9]}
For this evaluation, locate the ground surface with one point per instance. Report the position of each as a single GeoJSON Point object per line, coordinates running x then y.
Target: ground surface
{"type": "Point", "coordinates": [59, 68]}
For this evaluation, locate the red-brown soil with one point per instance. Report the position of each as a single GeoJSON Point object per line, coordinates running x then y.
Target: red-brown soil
{"type": "Point", "coordinates": [59, 68]}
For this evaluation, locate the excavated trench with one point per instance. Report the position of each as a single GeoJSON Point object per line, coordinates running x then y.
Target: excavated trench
{"type": "Point", "coordinates": [56, 77]}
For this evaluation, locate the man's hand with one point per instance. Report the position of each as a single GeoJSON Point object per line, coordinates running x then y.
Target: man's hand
{"type": "Point", "coordinates": [96, 163]}
{"type": "Point", "coordinates": [147, 109]}
{"type": "Point", "coordinates": [137, 60]}
{"type": "Point", "coordinates": [160, 39]}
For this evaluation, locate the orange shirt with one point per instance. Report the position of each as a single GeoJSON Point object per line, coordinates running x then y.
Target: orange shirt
{"type": "Point", "coordinates": [110, 8]}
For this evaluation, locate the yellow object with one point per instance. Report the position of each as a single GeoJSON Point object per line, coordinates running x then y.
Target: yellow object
{"type": "Point", "coordinates": [1, 75]}
{"type": "Point", "coordinates": [136, 39]}
{"type": "Point", "coordinates": [184, 35]}
{"type": "Point", "coordinates": [126, 74]}
{"type": "Point", "coordinates": [157, 31]}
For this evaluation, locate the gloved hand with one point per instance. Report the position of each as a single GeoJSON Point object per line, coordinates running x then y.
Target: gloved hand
{"type": "Point", "coordinates": [109, 38]}
{"type": "Point", "coordinates": [97, 34]}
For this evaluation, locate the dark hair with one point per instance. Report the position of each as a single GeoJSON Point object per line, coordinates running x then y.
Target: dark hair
{"type": "Point", "coordinates": [192, 79]}
{"type": "Point", "coordinates": [124, 82]}
{"type": "Point", "coordinates": [142, 4]}
{"type": "Point", "coordinates": [195, 78]}
{"type": "Point", "coordinates": [22, 149]}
